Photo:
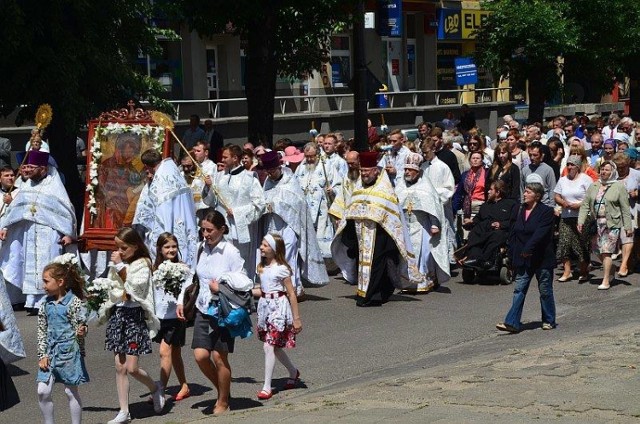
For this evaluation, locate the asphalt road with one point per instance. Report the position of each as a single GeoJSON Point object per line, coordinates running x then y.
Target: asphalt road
{"type": "Point", "coordinates": [340, 346]}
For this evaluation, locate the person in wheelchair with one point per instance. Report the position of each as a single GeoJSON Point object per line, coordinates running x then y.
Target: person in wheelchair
{"type": "Point", "coordinates": [490, 229]}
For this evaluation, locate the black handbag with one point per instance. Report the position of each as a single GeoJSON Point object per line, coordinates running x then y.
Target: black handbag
{"type": "Point", "coordinates": [191, 293]}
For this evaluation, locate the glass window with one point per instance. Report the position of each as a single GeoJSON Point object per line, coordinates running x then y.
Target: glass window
{"type": "Point", "coordinates": [340, 60]}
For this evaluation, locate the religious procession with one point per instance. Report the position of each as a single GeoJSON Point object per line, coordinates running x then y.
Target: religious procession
{"type": "Point", "coordinates": [190, 235]}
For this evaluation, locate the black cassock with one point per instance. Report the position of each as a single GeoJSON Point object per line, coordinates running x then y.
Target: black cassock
{"type": "Point", "coordinates": [384, 252]}
{"type": "Point", "coordinates": [484, 241]}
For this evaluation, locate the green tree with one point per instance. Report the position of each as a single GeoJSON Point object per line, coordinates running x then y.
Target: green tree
{"type": "Point", "coordinates": [597, 39]}
{"type": "Point", "coordinates": [78, 56]}
{"type": "Point", "coordinates": [608, 47]}
{"type": "Point", "coordinates": [283, 37]}
{"type": "Point", "coordinates": [523, 39]}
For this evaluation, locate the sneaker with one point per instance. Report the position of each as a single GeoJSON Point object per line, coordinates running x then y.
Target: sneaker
{"type": "Point", "coordinates": [158, 398]}
{"type": "Point", "coordinates": [122, 417]}
{"type": "Point", "coordinates": [547, 326]}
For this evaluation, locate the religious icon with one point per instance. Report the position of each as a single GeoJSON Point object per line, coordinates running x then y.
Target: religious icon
{"type": "Point", "coordinates": [116, 175]}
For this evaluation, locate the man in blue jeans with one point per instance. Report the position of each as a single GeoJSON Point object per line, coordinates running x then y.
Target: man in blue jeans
{"type": "Point", "coordinates": [532, 253]}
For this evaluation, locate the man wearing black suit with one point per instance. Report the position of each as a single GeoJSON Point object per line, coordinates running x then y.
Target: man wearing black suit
{"type": "Point", "coordinates": [531, 251]}
{"type": "Point", "coordinates": [444, 154]}
{"type": "Point", "coordinates": [214, 138]}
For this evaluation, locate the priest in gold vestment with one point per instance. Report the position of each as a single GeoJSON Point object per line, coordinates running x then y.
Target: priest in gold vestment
{"type": "Point", "coordinates": [371, 240]}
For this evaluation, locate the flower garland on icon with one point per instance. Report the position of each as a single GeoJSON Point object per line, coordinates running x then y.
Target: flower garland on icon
{"type": "Point", "coordinates": [155, 133]}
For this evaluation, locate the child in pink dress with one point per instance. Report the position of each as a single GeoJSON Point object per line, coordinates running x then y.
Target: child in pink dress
{"type": "Point", "coordinates": [278, 317]}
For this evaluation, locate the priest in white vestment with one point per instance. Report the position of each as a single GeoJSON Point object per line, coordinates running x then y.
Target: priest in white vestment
{"type": "Point", "coordinates": [330, 156]}
{"type": "Point", "coordinates": [38, 225]}
{"type": "Point", "coordinates": [236, 193]}
{"type": "Point", "coordinates": [439, 174]}
{"type": "Point", "coordinates": [205, 167]}
{"type": "Point", "coordinates": [319, 183]}
{"type": "Point", "coordinates": [345, 189]}
{"type": "Point", "coordinates": [287, 214]}
{"type": "Point", "coordinates": [394, 159]}
{"type": "Point", "coordinates": [166, 205]}
{"type": "Point", "coordinates": [425, 219]}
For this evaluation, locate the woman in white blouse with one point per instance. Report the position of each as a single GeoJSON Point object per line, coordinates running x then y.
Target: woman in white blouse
{"type": "Point", "coordinates": [212, 344]}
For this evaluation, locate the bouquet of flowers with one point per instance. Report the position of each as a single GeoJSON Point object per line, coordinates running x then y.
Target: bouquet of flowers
{"type": "Point", "coordinates": [170, 276]}
{"type": "Point", "coordinates": [98, 292]}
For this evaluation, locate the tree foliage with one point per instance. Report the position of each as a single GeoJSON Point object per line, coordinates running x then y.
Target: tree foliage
{"type": "Point", "coordinates": [289, 38]}
{"type": "Point", "coordinates": [597, 38]}
{"type": "Point", "coordinates": [522, 39]}
{"type": "Point", "coordinates": [78, 56]}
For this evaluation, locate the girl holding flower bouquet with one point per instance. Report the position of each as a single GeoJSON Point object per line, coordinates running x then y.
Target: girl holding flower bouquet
{"type": "Point", "coordinates": [170, 277]}
{"type": "Point", "coordinates": [130, 315]}
{"type": "Point", "coordinates": [61, 330]}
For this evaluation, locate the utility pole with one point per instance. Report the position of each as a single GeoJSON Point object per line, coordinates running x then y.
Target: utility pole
{"type": "Point", "coordinates": [360, 86]}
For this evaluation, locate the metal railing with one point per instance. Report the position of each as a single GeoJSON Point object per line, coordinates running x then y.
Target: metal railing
{"type": "Point", "coordinates": [314, 103]}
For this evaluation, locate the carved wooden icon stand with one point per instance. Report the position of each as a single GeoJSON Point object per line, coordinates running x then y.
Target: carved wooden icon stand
{"type": "Point", "coordinates": [115, 173]}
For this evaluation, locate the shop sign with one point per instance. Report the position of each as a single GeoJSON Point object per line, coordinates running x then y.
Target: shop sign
{"type": "Point", "coordinates": [466, 71]}
{"type": "Point", "coordinates": [390, 18]}
{"type": "Point", "coordinates": [459, 24]}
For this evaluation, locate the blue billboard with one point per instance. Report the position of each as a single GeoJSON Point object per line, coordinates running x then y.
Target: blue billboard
{"type": "Point", "coordinates": [390, 18]}
{"type": "Point", "coordinates": [466, 71]}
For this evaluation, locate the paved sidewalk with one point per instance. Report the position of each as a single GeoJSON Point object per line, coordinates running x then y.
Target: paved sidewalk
{"type": "Point", "coordinates": [576, 379]}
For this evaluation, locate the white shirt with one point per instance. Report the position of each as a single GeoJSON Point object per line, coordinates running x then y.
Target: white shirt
{"type": "Point", "coordinates": [213, 262]}
{"type": "Point", "coordinates": [573, 191]}
{"type": "Point", "coordinates": [632, 182]}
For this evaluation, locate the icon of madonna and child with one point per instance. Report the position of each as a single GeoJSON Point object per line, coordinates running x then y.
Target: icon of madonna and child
{"type": "Point", "coordinates": [121, 178]}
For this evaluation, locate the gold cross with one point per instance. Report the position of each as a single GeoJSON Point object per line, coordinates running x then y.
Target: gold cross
{"type": "Point", "coordinates": [33, 209]}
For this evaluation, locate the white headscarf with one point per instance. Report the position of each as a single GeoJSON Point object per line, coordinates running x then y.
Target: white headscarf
{"type": "Point", "coordinates": [614, 173]}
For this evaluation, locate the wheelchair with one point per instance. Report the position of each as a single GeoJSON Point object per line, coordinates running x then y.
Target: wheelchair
{"type": "Point", "coordinates": [485, 273]}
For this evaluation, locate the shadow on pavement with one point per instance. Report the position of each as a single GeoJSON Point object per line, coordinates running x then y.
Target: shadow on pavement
{"type": "Point", "coordinates": [16, 371]}
{"type": "Point", "coordinates": [236, 404]}
{"type": "Point", "coordinates": [311, 297]}
{"type": "Point", "coordinates": [249, 380]}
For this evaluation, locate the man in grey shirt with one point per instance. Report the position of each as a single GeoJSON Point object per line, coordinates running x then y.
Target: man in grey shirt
{"type": "Point", "coordinates": [544, 171]}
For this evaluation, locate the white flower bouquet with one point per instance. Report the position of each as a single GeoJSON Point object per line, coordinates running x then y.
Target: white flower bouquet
{"type": "Point", "coordinates": [98, 292]}
{"type": "Point", "coordinates": [170, 276]}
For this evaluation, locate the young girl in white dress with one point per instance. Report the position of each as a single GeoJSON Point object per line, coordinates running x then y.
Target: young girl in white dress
{"type": "Point", "coordinates": [278, 316]}
{"type": "Point", "coordinates": [172, 333]}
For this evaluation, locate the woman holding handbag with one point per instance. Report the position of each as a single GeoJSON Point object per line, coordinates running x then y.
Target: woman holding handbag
{"type": "Point", "coordinates": [608, 202]}
{"type": "Point", "coordinates": [212, 344]}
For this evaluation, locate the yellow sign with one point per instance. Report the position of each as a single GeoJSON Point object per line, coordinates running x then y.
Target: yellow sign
{"type": "Point", "coordinates": [470, 5]}
{"type": "Point", "coordinates": [472, 20]}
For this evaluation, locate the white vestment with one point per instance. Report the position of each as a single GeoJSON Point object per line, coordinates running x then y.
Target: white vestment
{"type": "Point", "coordinates": [336, 162]}
{"type": "Point", "coordinates": [207, 167]}
{"type": "Point", "coordinates": [37, 219]}
{"type": "Point", "coordinates": [314, 183]}
{"type": "Point", "coordinates": [441, 177]}
{"type": "Point", "coordinates": [343, 197]}
{"type": "Point", "coordinates": [11, 346]}
{"type": "Point", "coordinates": [240, 191]}
{"type": "Point", "coordinates": [287, 214]}
{"type": "Point", "coordinates": [397, 161]}
{"type": "Point", "coordinates": [166, 205]}
{"type": "Point", "coordinates": [422, 209]}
